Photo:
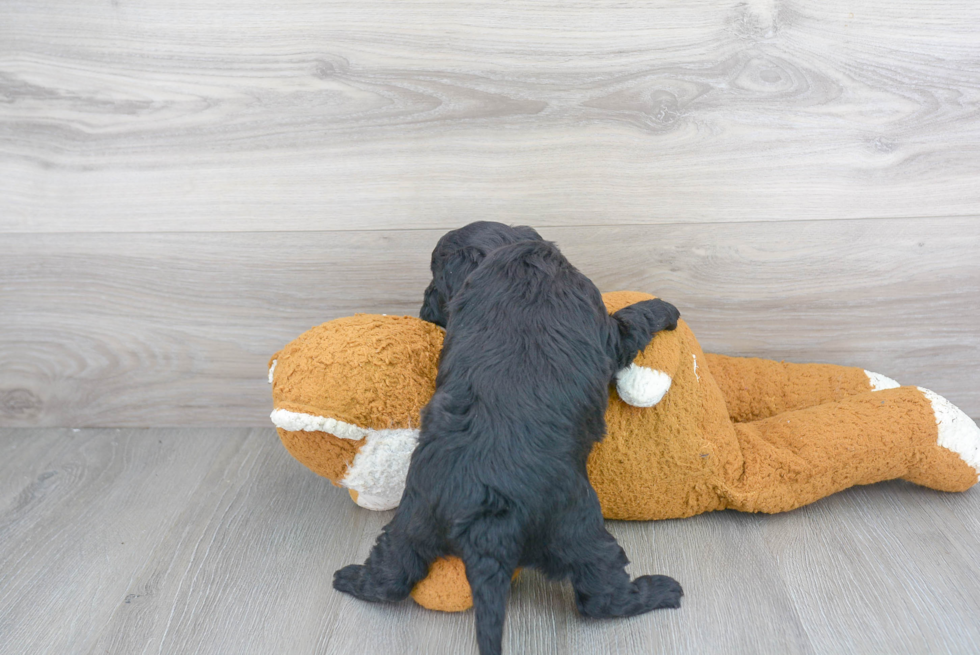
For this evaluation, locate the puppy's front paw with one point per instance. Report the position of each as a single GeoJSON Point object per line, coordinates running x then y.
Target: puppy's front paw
{"type": "Point", "coordinates": [650, 316]}
{"type": "Point", "coordinates": [348, 579]}
{"type": "Point", "coordinates": [655, 315]}
{"type": "Point", "coordinates": [658, 592]}
{"type": "Point", "coordinates": [666, 315]}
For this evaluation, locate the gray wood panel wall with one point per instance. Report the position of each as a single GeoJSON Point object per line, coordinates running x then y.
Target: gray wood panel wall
{"type": "Point", "coordinates": [186, 187]}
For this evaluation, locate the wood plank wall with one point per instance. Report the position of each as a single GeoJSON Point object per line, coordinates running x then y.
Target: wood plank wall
{"type": "Point", "coordinates": [184, 187]}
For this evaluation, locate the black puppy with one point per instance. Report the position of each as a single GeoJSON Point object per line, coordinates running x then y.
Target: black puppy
{"type": "Point", "coordinates": [457, 254]}
{"type": "Point", "coordinates": [499, 474]}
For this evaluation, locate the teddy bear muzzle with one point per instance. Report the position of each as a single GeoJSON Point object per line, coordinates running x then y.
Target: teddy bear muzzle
{"type": "Point", "coordinates": [369, 462]}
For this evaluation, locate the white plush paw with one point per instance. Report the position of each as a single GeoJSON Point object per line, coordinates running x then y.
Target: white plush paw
{"type": "Point", "coordinates": [641, 386]}
{"type": "Point", "coordinates": [957, 431]}
{"type": "Point", "coordinates": [879, 381]}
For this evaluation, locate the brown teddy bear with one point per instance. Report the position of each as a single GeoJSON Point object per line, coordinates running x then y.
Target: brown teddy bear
{"type": "Point", "coordinates": [687, 432]}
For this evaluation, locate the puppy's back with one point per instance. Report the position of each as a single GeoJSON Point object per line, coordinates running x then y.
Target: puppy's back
{"type": "Point", "coordinates": [525, 368]}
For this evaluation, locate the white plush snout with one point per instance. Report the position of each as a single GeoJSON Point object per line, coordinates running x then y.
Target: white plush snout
{"type": "Point", "coordinates": [380, 466]}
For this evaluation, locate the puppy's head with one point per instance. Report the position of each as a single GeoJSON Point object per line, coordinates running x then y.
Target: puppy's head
{"type": "Point", "coordinates": [457, 254]}
{"type": "Point", "coordinates": [348, 395]}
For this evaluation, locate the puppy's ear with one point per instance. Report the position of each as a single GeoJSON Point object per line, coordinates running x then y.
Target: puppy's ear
{"type": "Point", "coordinates": [525, 233]}
{"type": "Point", "coordinates": [447, 279]}
{"type": "Point", "coordinates": [458, 267]}
{"type": "Point", "coordinates": [433, 306]}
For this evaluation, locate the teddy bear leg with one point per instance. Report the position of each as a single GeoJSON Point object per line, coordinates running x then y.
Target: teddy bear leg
{"type": "Point", "coordinates": [801, 456]}
{"type": "Point", "coordinates": [958, 438]}
{"type": "Point", "coordinates": [444, 588]}
{"type": "Point", "coordinates": [760, 388]}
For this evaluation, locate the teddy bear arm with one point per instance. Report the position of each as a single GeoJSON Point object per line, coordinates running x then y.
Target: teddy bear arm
{"type": "Point", "coordinates": [760, 388]}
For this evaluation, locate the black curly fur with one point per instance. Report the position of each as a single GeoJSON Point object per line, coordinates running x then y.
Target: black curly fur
{"type": "Point", "coordinates": [499, 474]}
{"type": "Point", "coordinates": [458, 254]}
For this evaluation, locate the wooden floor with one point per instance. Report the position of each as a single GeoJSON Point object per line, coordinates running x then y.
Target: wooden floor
{"type": "Point", "coordinates": [216, 541]}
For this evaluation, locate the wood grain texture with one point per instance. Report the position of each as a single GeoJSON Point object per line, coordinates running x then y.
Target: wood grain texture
{"type": "Point", "coordinates": [177, 329]}
{"type": "Point", "coordinates": [216, 541]}
{"type": "Point", "coordinates": [899, 538]}
{"type": "Point", "coordinates": [90, 507]}
{"type": "Point", "coordinates": [314, 115]}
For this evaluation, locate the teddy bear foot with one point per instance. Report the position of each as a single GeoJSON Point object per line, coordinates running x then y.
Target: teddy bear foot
{"type": "Point", "coordinates": [951, 461]}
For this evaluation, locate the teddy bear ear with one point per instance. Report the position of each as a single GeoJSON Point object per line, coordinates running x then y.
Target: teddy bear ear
{"type": "Point", "coordinates": [272, 365]}
{"type": "Point", "coordinates": [347, 396]}
{"type": "Point", "coordinates": [880, 382]}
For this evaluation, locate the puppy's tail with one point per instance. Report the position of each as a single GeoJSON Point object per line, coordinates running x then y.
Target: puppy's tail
{"type": "Point", "coordinates": [490, 583]}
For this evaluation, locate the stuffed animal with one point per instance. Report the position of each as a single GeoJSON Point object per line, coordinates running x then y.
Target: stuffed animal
{"type": "Point", "coordinates": [687, 432]}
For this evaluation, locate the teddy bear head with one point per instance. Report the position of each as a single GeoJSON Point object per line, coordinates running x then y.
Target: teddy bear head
{"type": "Point", "coordinates": [347, 398]}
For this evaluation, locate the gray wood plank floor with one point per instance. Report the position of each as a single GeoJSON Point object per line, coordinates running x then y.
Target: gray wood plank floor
{"type": "Point", "coordinates": [216, 541]}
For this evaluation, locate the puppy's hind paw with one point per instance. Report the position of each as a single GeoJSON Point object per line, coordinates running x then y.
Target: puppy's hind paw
{"type": "Point", "coordinates": [658, 592]}
{"type": "Point", "coordinates": [364, 583]}
{"type": "Point", "coordinates": [349, 580]}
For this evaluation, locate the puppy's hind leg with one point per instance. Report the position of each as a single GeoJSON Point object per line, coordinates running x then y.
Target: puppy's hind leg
{"type": "Point", "coordinates": [396, 563]}
{"type": "Point", "coordinates": [596, 564]}
{"type": "Point", "coordinates": [603, 588]}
